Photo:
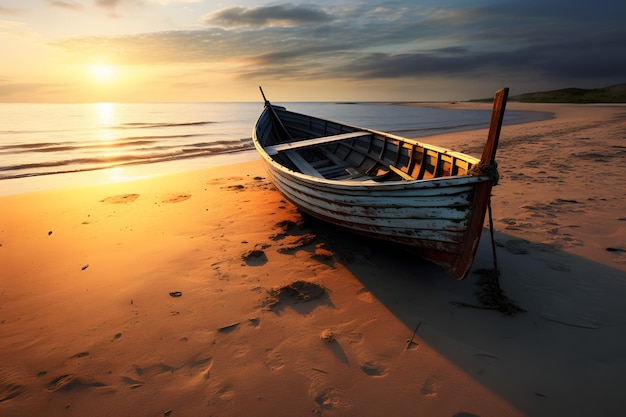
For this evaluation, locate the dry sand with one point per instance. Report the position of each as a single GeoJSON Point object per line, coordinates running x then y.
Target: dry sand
{"type": "Point", "coordinates": [205, 293]}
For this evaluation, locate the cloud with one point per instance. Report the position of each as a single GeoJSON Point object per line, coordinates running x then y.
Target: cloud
{"type": "Point", "coordinates": [594, 54]}
{"type": "Point", "coordinates": [8, 10]}
{"type": "Point", "coordinates": [109, 4]}
{"type": "Point", "coordinates": [364, 42]}
{"type": "Point", "coordinates": [8, 89]}
{"type": "Point", "coordinates": [280, 15]}
{"type": "Point", "coordinates": [16, 30]}
{"type": "Point", "coordinates": [66, 4]}
{"type": "Point", "coordinates": [164, 2]}
{"type": "Point", "coordinates": [114, 5]}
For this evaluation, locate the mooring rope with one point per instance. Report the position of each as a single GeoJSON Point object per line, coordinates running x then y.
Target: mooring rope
{"type": "Point", "coordinates": [491, 296]}
{"type": "Point", "coordinates": [488, 170]}
{"type": "Point", "coordinates": [493, 246]}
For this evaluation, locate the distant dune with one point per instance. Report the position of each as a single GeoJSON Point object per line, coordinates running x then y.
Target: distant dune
{"type": "Point", "coordinates": [613, 94]}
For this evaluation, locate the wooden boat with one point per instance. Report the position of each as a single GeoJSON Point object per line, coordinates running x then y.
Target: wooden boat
{"type": "Point", "coordinates": [383, 185]}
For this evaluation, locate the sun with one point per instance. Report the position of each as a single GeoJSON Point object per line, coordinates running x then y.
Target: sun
{"type": "Point", "coordinates": [102, 72]}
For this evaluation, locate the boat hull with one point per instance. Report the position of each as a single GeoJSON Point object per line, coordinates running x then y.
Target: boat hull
{"type": "Point", "coordinates": [439, 218]}
{"type": "Point", "coordinates": [431, 217]}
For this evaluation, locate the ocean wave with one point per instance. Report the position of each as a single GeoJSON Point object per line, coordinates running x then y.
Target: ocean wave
{"type": "Point", "coordinates": [148, 155]}
{"type": "Point", "coordinates": [147, 125]}
{"type": "Point", "coordinates": [123, 126]}
{"type": "Point", "coordinates": [29, 146]}
{"type": "Point", "coordinates": [128, 142]}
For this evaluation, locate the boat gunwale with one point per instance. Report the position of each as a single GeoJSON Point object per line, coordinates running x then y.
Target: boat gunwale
{"type": "Point", "coordinates": [370, 185]}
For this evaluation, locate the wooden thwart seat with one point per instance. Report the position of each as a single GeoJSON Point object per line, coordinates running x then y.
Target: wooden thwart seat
{"type": "Point", "coordinates": [275, 149]}
{"type": "Point", "coordinates": [401, 173]}
{"type": "Point", "coordinates": [386, 164]}
{"type": "Point", "coordinates": [302, 164]}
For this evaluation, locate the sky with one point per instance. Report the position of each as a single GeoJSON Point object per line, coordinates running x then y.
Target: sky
{"type": "Point", "coordinates": [323, 50]}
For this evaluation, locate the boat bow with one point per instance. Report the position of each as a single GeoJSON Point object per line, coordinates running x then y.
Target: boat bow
{"type": "Point", "coordinates": [382, 185]}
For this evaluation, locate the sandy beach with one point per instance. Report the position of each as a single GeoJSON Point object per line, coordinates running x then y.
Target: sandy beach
{"type": "Point", "coordinates": [205, 293]}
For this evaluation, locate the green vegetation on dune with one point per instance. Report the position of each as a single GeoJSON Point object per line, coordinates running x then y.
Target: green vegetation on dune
{"type": "Point", "coordinates": [612, 94]}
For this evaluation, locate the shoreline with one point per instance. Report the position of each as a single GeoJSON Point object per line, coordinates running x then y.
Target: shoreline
{"type": "Point", "coordinates": [173, 295]}
{"type": "Point", "coordinates": [131, 172]}
{"type": "Point", "coordinates": [123, 173]}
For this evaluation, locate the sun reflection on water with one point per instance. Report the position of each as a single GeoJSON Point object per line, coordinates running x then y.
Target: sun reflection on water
{"type": "Point", "coordinates": [117, 174]}
{"type": "Point", "coordinates": [106, 119]}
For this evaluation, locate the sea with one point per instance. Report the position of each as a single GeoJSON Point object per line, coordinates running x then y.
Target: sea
{"type": "Point", "coordinates": [46, 146]}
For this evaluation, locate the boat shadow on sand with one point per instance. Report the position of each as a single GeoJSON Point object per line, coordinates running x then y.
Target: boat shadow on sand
{"type": "Point", "coordinates": [559, 357]}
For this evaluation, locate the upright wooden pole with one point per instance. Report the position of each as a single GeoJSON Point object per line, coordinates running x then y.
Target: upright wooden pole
{"type": "Point", "coordinates": [497, 114]}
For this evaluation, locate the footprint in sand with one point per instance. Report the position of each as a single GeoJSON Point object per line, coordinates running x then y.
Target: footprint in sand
{"type": "Point", "coordinates": [238, 187]}
{"type": "Point", "coordinates": [355, 337]}
{"type": "Point", "coordinates": [562, 240]}
{"type": "Point", "coordinates": [153, 370]}
{"type": "Point", "coordinates": [69, 382]}
{"type": "Point", "coordinates": [373, 368]}
{"type": "Point", "coordinates": [226, 393]}
{"type": "Point", "coordinates": [221, 392]}
{"type": "Point", "coordinates": [291, 246]}
{"type": "Point", "coordinates": [297, 291]}
{"type": "Point", "coordinates": [59, 382]}
{"type": "Point", "coordinates": [217, 181]}
{"type": "Point", "coordinates": [10, 391]}
{"type": "Point", "coordinates": [133, 383]}
{"type": "Point", "coordinates": [516, 224]}
{"type": "Point", "coordinates": [176, 198]}
{"type": "Point", "coordinates": [323, 254]}
{"type": "Point", "coordinates": [254, 257]}
{"type": "Point", "coordinates": [274, 360]}
{"type": "Point", "coordinates": [120, 199]}
{"type": "Point", "coordinates": [203, 362]}
{"type": "Point", "coordinates": [327, 398]}
{"type": "Point", "coordinates": [365, 295]}
{"type": "Point", "coordinates": [430, 388]}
